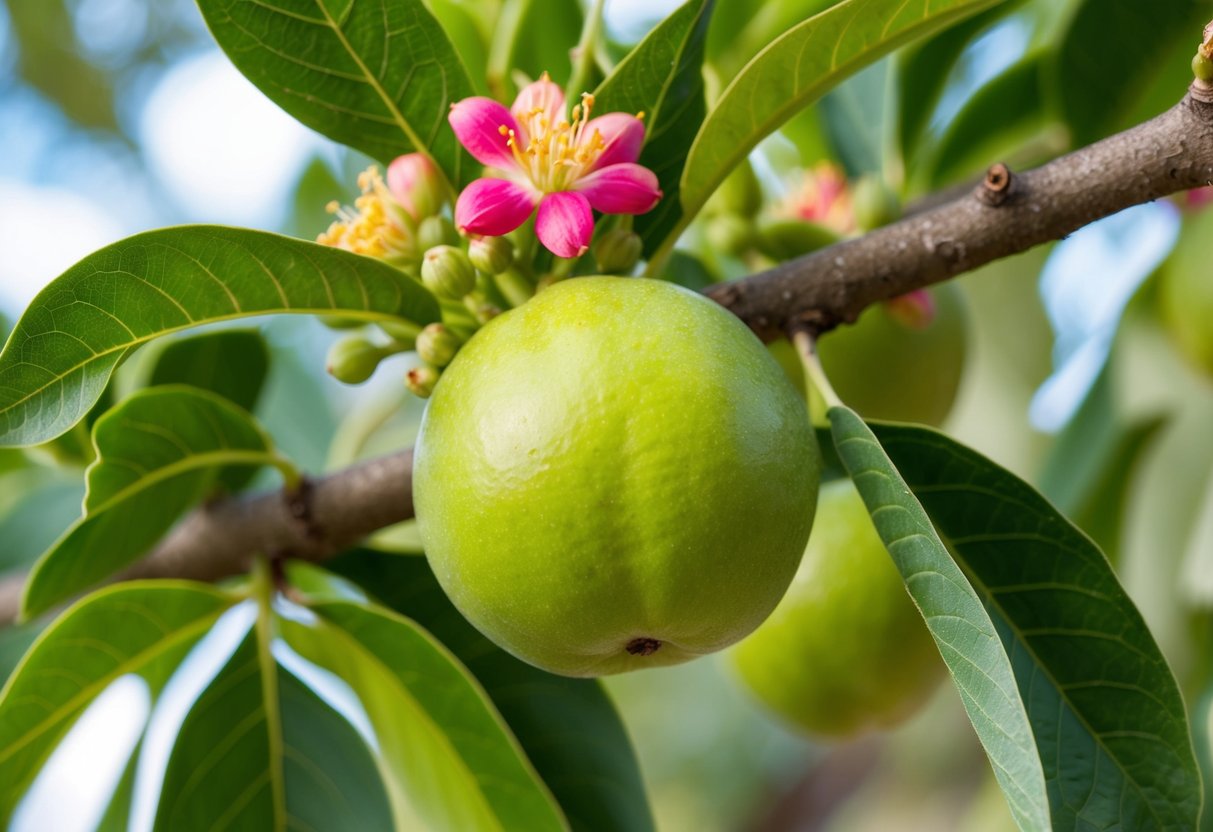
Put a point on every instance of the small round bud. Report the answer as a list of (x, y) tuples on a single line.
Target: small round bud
[(783, 239), (339, 322), (447, 272), (874, 203), (416, 184), (491, 255), (739, 194), (731, 234), (437, 345), (353, 359), (1202, 66), (436, 231), (421, 380), (618, 251)]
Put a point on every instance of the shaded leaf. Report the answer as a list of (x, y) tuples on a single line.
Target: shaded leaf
[(377, 75), (39, 514), (960, 625), (231, 363), (158, 453), (796, 69), (569, 728), (446, 757), (144, 628), (66, 345), (663, 78), (1107, 715)]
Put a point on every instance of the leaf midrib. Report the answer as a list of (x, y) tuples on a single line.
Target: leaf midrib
[(181, 466)]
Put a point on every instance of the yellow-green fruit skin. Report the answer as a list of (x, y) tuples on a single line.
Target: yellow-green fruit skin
[(617, 460), (846, 651), (884, 369), (1185, 292)]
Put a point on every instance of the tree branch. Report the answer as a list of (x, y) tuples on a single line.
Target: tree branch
[(1007, 214)]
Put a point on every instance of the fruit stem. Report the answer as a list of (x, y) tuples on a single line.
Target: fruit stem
[(806, 346)]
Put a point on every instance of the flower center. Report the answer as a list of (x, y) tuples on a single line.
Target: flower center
[(375, 226), (556, 154)]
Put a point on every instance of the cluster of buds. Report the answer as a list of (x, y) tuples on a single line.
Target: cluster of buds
[(543, 163)]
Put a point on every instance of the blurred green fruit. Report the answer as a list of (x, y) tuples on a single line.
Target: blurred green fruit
[(1185, 292), (615, 475), (901, 360), (845, 651)]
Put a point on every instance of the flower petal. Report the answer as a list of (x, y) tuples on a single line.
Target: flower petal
[(477, 122), (621, 189), (413, 181), (538, 98), (565, 224), (623, 135), (493, 207)]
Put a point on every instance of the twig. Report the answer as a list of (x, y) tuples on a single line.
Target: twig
[(1007, 214)]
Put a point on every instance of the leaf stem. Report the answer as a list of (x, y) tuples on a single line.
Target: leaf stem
[(806, 346)]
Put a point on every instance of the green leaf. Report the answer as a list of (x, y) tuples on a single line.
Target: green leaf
[(158, 453), (855, 116), (1110, 52), (663, 78), (41, 511), (569, 728), (377, 75), (1107, 715), (63, 350), (260, 750), (796, 69), (144, 628), (447, 758), (922, 75), (469, 26), (231, 363), (961, 626), (532, 37)]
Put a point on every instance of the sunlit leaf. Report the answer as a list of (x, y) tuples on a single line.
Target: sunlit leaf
[(798, 68), (61, 353), (159, 453), (662, 77), (144, 628), (377, 75)]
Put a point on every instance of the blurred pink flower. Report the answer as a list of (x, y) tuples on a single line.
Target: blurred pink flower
[(824, 198), (558, 169)]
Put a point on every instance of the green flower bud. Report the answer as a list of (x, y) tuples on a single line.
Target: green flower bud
[(403, 331), (436, 231), (874, 203), (437, 345), (1202, 66), (783, 239), (739, 194), (447, 272), (491, 255), (731, 234), (618, 251), (339, 322), (353, 359), (421, 380)]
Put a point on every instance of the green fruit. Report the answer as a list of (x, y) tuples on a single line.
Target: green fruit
[(1185, 293), (884, 367), (615, 475), (846, 650)]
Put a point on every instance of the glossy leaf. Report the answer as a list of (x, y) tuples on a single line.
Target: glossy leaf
[(1106, 712), (61, 354), (799, 67), (855, 117), (377, 75), (144, 628), (663, 78), (569, 728), (232, 363), (962, 628), (260, 750), (446, 757), (532, 37), (159, 453)]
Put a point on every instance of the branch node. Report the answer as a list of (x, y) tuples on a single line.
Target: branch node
[(996, 187), (299, 505)]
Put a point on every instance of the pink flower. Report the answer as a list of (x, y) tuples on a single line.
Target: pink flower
[(824, 198), (559, 170)]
